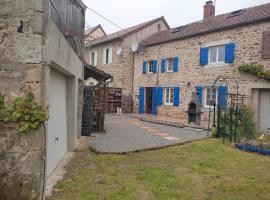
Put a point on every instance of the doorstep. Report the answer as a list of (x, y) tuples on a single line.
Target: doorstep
[(168, 121)]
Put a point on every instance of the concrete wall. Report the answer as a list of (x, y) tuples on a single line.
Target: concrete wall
[(121, 67), (21, 68), (248, 42)]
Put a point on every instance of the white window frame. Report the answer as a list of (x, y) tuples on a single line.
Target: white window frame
[(95, 58), (171, 92), (148, 67), (210, 51), (109, 56), (205, 96), (167, 64)]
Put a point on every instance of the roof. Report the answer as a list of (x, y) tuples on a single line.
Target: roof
[(212, 24), (126, 32), (91, 30), (93, 72)]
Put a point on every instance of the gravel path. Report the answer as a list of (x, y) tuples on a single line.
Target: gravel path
[(125, 134)]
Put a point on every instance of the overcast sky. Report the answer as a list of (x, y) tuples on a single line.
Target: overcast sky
[(127, 13)]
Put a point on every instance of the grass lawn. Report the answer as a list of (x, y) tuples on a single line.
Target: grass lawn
[(200, 170)]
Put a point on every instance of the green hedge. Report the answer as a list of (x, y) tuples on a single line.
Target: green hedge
[(255, 69)]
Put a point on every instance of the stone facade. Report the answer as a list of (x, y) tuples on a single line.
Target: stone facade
[(122, 64), (248, 41), (27, 53)]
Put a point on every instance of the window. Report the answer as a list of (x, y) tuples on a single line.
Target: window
[(159, 27), (236, 13), (210, 95), (170, 62), (217, 54), (150, 66), (107, 58), (266, 45), (93, 58), (169, 96)]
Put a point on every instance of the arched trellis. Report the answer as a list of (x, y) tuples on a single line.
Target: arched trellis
[(217, 109)]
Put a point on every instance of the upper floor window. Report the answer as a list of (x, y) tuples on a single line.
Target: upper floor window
[(217, 54), (150, 66), (159, 27), (170, 64), (93, 58), (210, 96), (169, 96), (107, 56)]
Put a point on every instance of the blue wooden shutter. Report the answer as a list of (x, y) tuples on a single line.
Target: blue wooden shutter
[(199, 90), (176, 94), (163, 65), (159, 96), (154, 101), (175, 64), (154, 66), (141, 100), (229, 53), (204, 56), (144, 67), (222, 96)]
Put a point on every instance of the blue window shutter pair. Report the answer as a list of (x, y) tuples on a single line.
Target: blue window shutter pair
[(203, 56), (144, 67), (176, 96), (159, 96), (199, 90), (141, 100), (163, 65), (222, 96), (229, 53), (175, 64), (154, 101), (154, 66)]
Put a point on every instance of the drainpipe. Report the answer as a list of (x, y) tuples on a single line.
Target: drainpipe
[(132, 80)]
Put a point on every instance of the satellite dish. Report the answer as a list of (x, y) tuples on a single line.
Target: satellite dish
[(134, 46)]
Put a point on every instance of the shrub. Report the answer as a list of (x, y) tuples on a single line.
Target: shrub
[(255, 69)]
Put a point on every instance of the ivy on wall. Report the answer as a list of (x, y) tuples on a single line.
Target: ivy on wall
[(255, 69), (24, 112)]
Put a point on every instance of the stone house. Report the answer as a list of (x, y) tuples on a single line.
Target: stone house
[(94, 33), (180, 61), (114, 54), (40, 52)]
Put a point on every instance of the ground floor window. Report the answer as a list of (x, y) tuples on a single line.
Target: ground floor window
[(210, 95), (169, 96)]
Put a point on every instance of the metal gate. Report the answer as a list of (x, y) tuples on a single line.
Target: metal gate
[(224, 113)]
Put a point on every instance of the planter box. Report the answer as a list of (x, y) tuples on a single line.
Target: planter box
[(253, 149)]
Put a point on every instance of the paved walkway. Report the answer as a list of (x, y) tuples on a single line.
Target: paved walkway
[(125, 134)]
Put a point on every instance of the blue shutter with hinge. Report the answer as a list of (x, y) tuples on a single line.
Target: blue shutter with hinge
[(154, 66), (199, 90), (154, 101), (222, 96), (229, 53), (163, 65), (144, 67), (204, 56), (176, 95), (141, 100), (159, 96), (175, 64)]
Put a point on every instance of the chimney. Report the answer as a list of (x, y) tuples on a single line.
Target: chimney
[(209, 9)]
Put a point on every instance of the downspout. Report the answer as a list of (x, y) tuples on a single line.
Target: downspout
[(132, 81)]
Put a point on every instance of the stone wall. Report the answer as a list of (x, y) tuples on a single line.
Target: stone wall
[(21, 157), (121, 67), (248, 42)]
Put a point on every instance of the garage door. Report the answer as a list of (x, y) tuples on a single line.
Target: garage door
[(264, 115), (57, 125)]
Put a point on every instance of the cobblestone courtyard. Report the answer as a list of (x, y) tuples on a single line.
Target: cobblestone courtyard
[(124, 134)]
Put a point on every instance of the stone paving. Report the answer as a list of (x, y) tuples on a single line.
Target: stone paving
[(125, 134)]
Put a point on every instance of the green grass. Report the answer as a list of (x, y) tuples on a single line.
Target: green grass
[(199, 170)]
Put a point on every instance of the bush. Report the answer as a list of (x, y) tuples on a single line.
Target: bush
[(255, 69), (247, 125)]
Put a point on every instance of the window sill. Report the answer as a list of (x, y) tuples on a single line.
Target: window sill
[(216, 65), (168, 104)]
